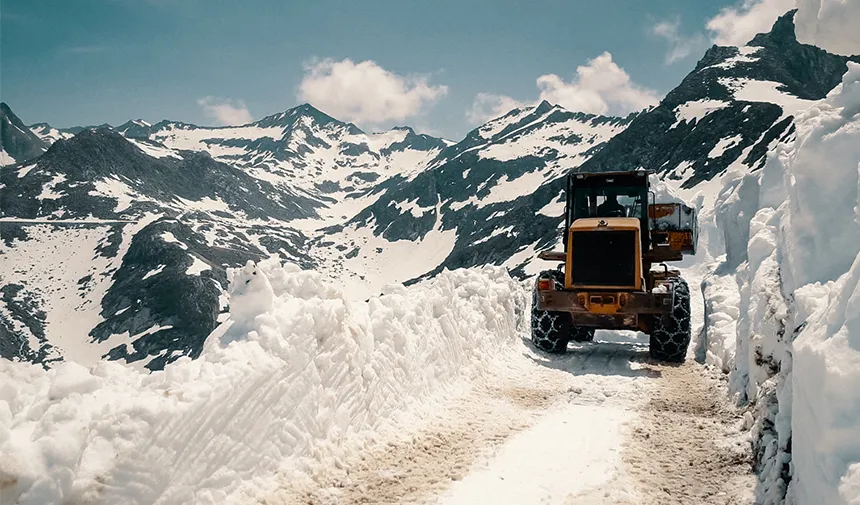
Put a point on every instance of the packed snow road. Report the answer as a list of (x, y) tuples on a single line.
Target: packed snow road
[(601, 424)]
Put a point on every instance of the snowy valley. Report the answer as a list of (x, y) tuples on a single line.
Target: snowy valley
[(297, 311)]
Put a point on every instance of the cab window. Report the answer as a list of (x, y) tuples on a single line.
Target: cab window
[(617, 201)]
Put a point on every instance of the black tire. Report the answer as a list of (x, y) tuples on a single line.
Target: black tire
[(583, 334), (670, 336), (551, 331)]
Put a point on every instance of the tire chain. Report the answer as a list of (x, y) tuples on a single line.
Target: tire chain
[(551, 331), (671, 334)]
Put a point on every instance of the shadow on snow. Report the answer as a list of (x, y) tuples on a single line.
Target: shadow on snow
[(611, 355)]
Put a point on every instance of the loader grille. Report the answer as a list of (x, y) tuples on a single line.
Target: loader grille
[(604, 258)]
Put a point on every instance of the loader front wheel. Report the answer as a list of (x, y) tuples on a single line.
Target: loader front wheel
[(670, 335), (551, 331)]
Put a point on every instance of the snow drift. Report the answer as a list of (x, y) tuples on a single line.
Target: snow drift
[(783, 306), (297, 376)]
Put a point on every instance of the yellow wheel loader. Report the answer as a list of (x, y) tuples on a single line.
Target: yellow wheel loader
[(614, 235)]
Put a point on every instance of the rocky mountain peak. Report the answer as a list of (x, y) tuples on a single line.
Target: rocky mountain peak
[(92, 152), (136, 128), (17, 142), (543, 107), (782, 32), (301, 113)]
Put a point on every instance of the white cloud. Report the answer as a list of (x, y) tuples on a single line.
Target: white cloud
[(488, 106), (225, 111), (600, 87), (830, 24), (365, 92), (680, 46), (735, 26)]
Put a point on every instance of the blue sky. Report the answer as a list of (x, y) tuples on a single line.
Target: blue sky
[(441, 66)]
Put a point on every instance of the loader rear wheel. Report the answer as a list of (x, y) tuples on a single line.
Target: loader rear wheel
[(583, 334), (670, 335), (551, 331)]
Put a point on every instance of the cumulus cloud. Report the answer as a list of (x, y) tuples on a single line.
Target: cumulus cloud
[(680, 46), (735, 26), (600, 87), (365, 92), (830, 24), (488, 106), (224, 110)]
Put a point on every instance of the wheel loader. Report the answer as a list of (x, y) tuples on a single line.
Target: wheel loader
[(612, 273)]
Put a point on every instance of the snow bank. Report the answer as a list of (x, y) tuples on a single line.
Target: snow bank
[(296, 377), (783, 304)]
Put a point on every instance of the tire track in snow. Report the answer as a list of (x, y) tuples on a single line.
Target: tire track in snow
[(687, 448)]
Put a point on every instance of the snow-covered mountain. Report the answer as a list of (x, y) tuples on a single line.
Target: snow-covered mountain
[(305, 150), (731, 108), (113, 241), (50, 134), (494, 198), (471, 206), (118, 242)]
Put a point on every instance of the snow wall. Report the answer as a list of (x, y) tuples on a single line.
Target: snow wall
[(298, 375), (782, 305)]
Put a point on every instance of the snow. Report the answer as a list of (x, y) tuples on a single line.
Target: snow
[(783, 304), (171, 239), (750, 90), (50, 134), (153, 150), (59, 264), (315, 157), (505, 230), (297, 377), (507, 480), (695, 110), (379, 262), (495, 126), (550, 136), (155, 271), (724, 144), (412, 207), (505, 189), (682, 171), (114, 188), (205, 204), (197, 267), (192, 138), (746, 54), (6, 158), (23, 171), (48, 192), (380, 140), (555, 208)]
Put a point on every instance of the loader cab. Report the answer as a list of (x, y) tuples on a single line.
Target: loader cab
[(608, 194)]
